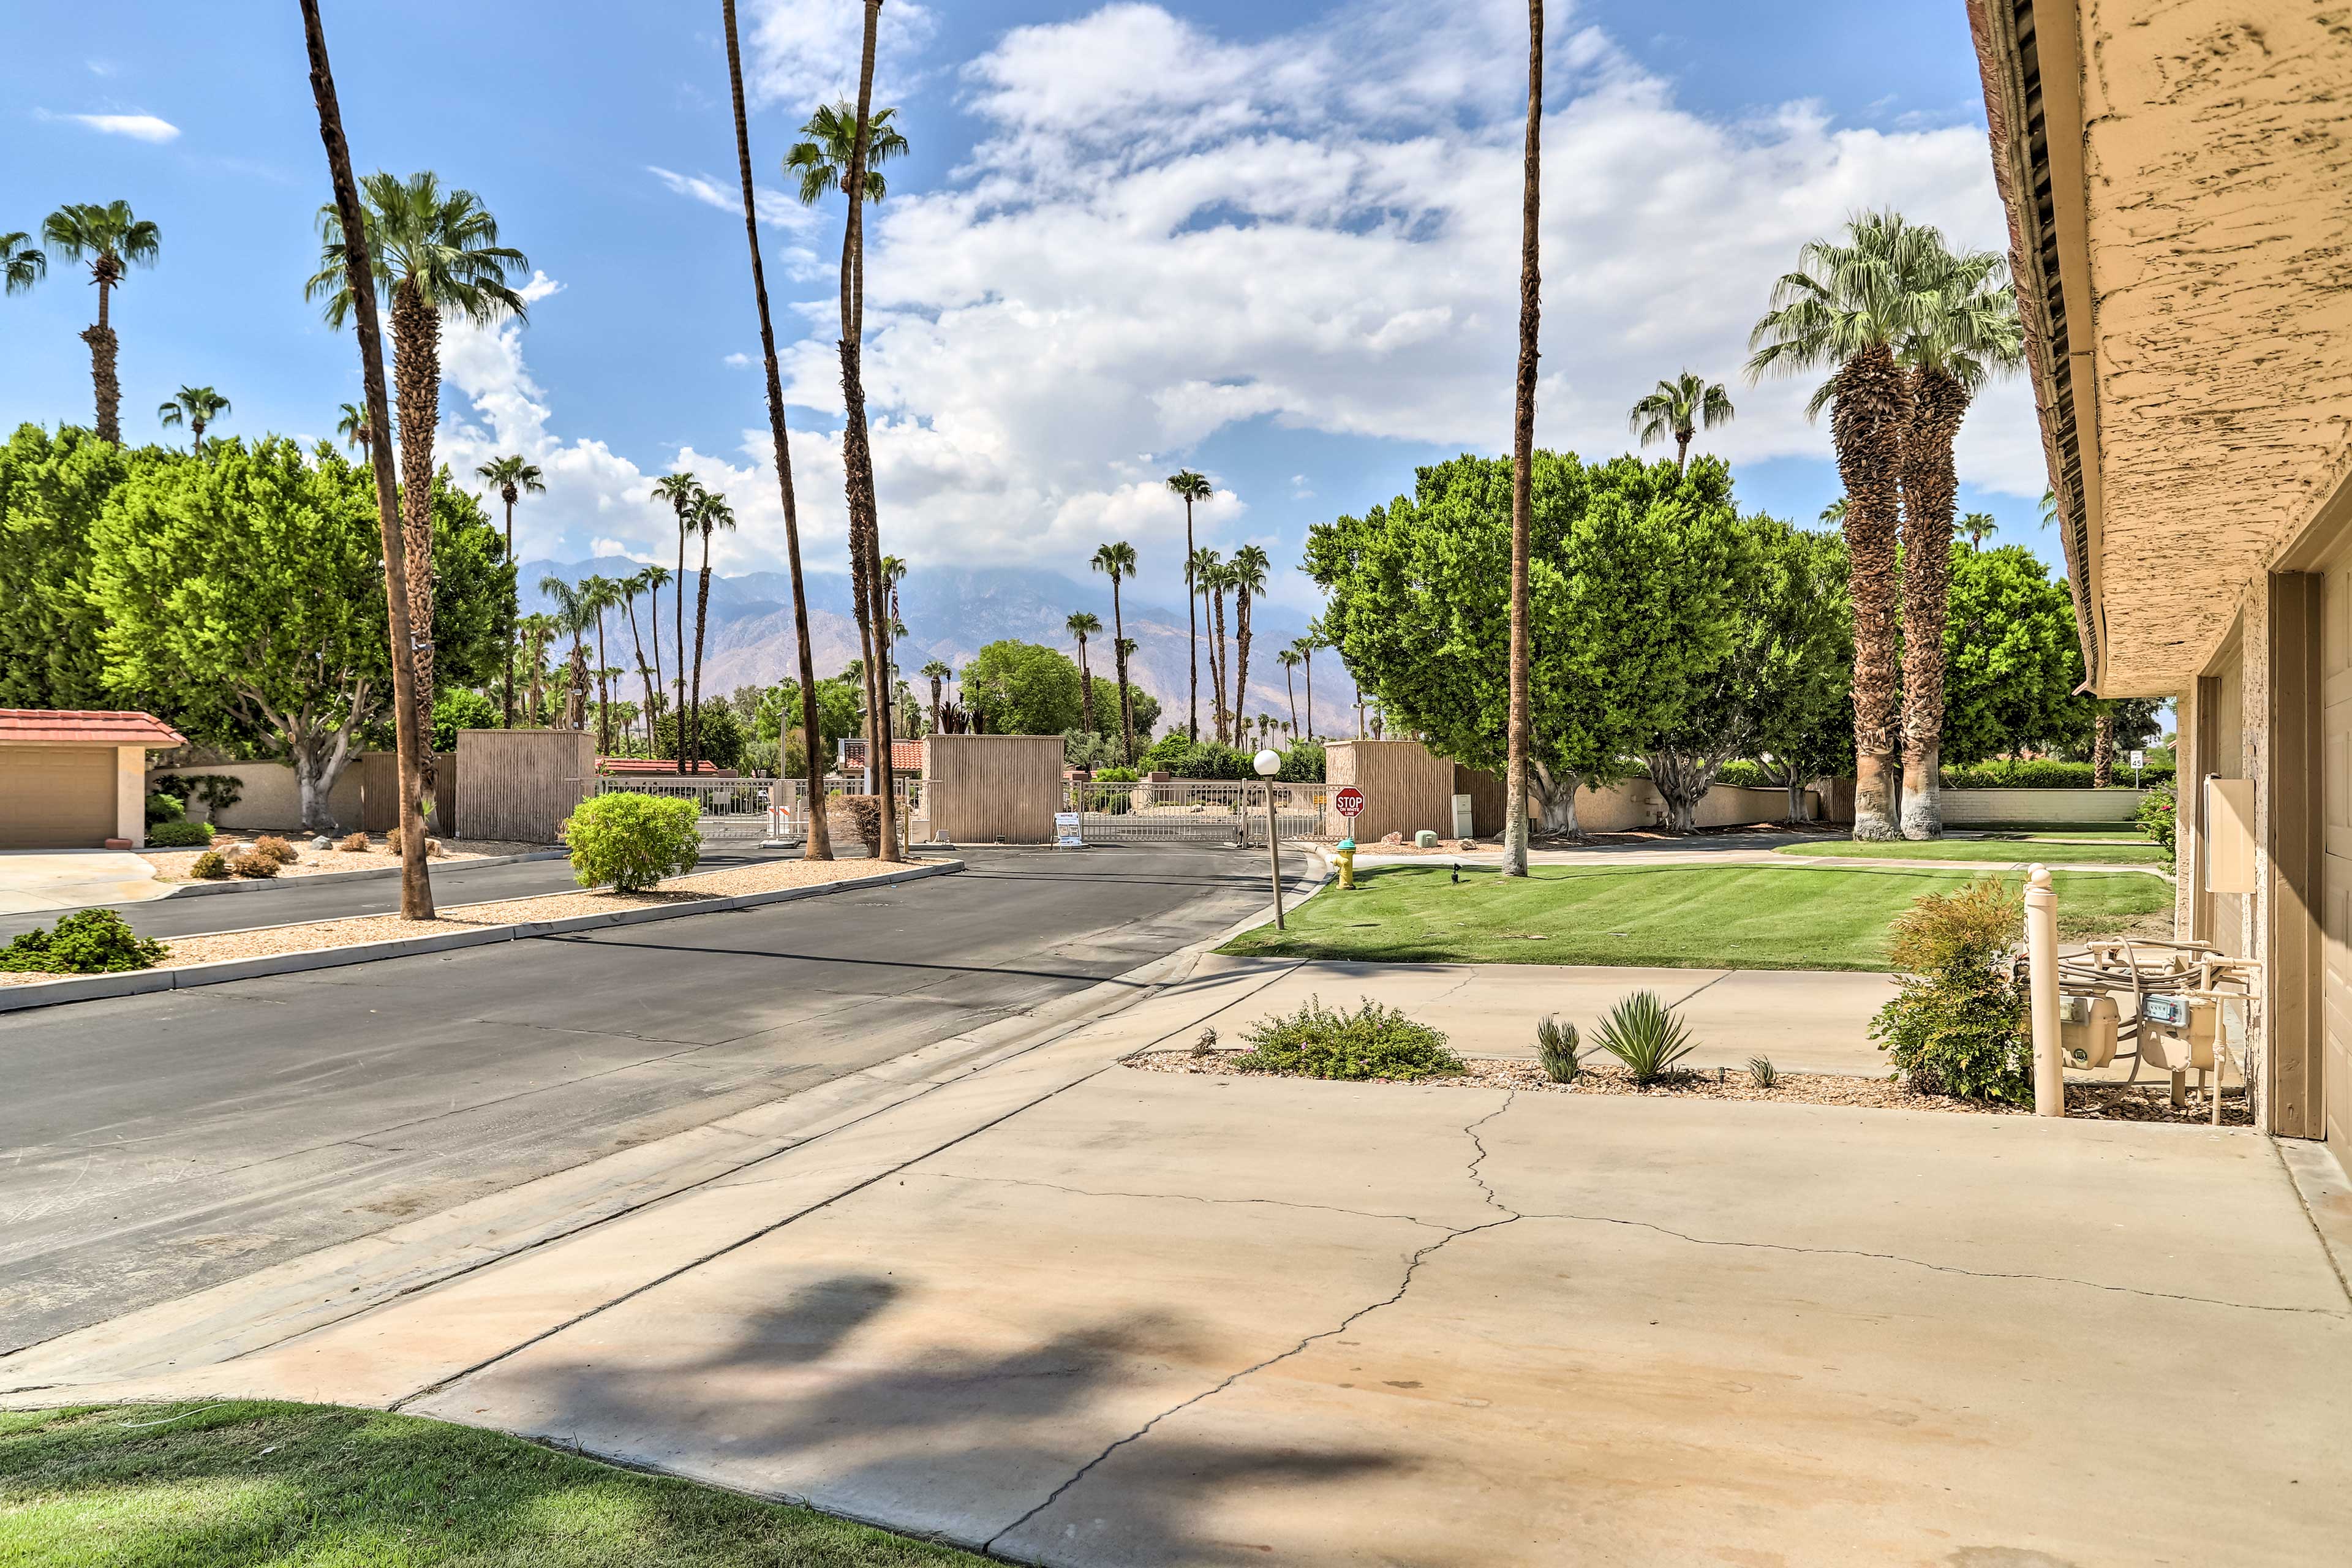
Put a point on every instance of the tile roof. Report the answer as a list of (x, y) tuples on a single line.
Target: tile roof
[(905, 756), (77, 727)]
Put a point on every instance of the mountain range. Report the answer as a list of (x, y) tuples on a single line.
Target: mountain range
[(951, 613)]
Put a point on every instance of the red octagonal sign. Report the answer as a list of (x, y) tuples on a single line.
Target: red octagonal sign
[(1349, 801)]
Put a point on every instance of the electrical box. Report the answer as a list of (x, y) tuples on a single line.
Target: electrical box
[(1461, 816), (2229, 835)]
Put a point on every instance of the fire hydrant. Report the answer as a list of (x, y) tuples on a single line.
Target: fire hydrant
[(1346, 856)]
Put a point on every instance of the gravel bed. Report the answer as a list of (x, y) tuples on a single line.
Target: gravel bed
[(172, 865), (2088, 1101)]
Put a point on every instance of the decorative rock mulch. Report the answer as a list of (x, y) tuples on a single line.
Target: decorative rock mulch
[(2087, 1102)]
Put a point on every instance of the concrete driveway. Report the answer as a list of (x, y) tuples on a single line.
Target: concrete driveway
[(33, 881), (1084, 1315)]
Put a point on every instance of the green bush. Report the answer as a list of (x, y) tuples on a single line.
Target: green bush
[(1741, 774), (163, 807), (1178, 758), (179, 835), (88, 942), (211, 866), (1116, 776), (1559, 1049), (2043, 773), (1643, 1032), (2158, 814), (630, 840), (1957, 1025), (1372, 1042)]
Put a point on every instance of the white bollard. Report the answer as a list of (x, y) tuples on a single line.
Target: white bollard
[(2041, 981)]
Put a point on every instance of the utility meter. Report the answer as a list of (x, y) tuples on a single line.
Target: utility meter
[(2086, 1030)]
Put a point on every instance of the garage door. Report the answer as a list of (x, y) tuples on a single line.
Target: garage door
[(55, 798)]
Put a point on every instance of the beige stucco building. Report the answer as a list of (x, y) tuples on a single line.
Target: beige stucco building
[(73, 780), (2178, 181)]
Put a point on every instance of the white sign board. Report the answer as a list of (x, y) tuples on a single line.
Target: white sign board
[(2138, 761), (1070, 830)]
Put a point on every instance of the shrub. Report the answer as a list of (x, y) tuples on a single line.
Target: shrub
[(1761, 1072), (355, 843), (2158, 814), (277, 849), (1559, 1049), (88, 942), (211, 866), (1302, 763), (2041, 773), (1116, 776), (253, 863), (1643, 1032), (218, 791), (864, 814), (1372, 1042), (163, 807), (1741, 774), (179, 835), (631, 841), (432, 844), (1957, 1025)]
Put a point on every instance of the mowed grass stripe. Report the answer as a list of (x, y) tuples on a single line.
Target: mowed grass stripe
[(1992, 852)]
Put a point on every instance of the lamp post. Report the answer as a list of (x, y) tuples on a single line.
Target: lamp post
[(1268, 763)]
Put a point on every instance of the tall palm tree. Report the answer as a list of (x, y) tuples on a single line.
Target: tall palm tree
[(820, 841), (1216, 580), (1519, 734), (21, 265), (821, 159), (1200, 571), (411, 743), (1978, 526), (712, 515), (1191, 487), (194, 406), (681, 490), (355, 430), (435, 255), (893, 572), (1677, 409), (1835, 512), (1117, 560), (657, 579), (572, 615), (1082, 624), (938, 673), (598, 594), (1966, 332), (1306, 646), (513, 479), (1845, 309), (1290, 658), (1247, 577), (114, 241), (537, 631), (631, 586)]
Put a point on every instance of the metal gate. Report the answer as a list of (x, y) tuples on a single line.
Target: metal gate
[(757, 810), (1192, 811)]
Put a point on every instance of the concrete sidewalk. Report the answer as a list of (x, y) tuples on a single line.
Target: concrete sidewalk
[(1083, 1315), (49, 882)]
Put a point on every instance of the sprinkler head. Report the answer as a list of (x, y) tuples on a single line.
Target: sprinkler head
[(1457, 873)]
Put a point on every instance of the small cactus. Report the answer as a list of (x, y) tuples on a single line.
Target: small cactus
[(1761, 1072), (1559, 1047)]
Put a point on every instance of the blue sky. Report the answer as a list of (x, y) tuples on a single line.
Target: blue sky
[(1273, 243)]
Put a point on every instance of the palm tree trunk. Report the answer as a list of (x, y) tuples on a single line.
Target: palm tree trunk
[(2103, 748), (1193, 630), (680, 631), (654, 697), (645, 675), (604, 690), (1682, 451), (1086, 688), (694, 709), (1119, 657), (1224, 662), (102, 347), (1240, 658), (1931, 487), (1291, 681), (417, 371), (416, 885), (1523, 442), (1310, 692), (512, 633), (1867, 428)]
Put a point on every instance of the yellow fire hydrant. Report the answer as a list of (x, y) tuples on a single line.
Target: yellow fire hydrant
[(1346, 856)]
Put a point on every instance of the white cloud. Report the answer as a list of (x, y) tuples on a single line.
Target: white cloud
[(806, 52), (776, 208), (138, 127), (737, 360)]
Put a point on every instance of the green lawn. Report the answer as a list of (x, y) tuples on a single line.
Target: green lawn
[(1993, 852), (252, 1483), (1748, 917)]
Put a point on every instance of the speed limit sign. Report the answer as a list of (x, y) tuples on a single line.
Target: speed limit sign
[(1350, 803)]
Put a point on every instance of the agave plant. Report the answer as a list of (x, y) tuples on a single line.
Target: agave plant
[(1761, 1072), (1643, 1034), (1559, 1049)]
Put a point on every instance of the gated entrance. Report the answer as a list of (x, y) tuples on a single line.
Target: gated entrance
[(1192, 811)]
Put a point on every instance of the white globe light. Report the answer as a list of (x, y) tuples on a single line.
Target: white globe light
[(1269, 764)]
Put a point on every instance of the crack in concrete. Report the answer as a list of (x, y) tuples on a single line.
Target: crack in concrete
[(1411, 1268), (1933, 1267)]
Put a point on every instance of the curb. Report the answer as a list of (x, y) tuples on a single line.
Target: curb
[(252, 885), (94, 987)]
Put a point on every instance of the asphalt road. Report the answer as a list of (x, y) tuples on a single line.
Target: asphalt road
[(151, 1146)]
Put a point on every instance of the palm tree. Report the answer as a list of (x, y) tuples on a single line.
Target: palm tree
[(195, 407), (1191, 487), (2049, 507), (1216, 580), (537, 631), (1978, 526), (410, 742), (1246, 576), (1966, 332), (631, 586), (513, 479), (657, 579), (1200, 571), (435, 256), (1290, 658), (20, 265), (893, 573), (353, 428), (1845, 309), (598, 594), (114, 241), (1082, 624), (572, 617), (822, 159), (938, 673), (1677, 409), (1306, 646), (1835, 512), (711, 514), (681, 490), (1520, 735), (1118, 561), (820, 841)]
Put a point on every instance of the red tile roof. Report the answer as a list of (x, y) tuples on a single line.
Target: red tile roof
[(78, 727), (905, 756), (665, 766)]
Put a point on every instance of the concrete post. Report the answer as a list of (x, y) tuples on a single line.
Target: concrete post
[(1274, 850), (2042, 971)]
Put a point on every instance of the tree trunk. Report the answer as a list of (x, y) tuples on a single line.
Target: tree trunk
[(516, 615), (678, 631), (1929, 491), (416, 370), (701, 616), (2103, 748), (1291, 683), (416, 884), (645, 675), (1523, 441), (1240, 658), (653, 694), (1217, 664), (1193, 630), (1796, 800), (603, 691), (1119, 658), (1682, 451), (1867, 428), (1085, 691), (102, 348), (1310, 695)]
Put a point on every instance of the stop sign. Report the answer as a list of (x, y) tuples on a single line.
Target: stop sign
[(1349, 801)]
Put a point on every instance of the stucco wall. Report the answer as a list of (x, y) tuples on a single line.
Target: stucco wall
[(2028, 807), (521, 784), (1407, 788), (268, 800), (982, 789)]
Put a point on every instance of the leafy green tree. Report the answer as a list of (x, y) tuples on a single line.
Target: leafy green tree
[(1631, 609), (1146, 709), (2011, 661), (114, 242), (195, 407), (837, 708), (52, 489), (1677, 408), (1806, 728), (715, 727), (460, 708), (1023, 688)]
